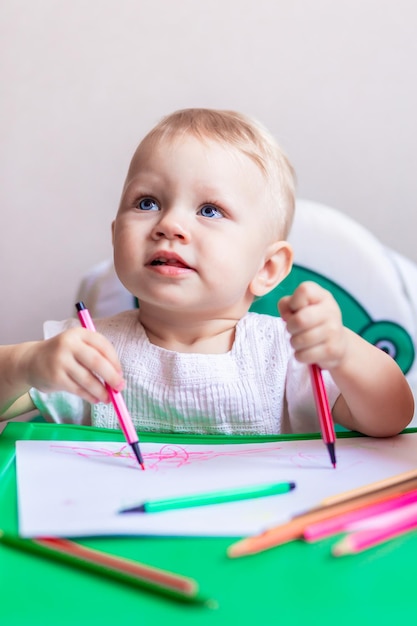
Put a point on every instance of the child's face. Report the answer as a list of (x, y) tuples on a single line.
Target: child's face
[(192, 231)]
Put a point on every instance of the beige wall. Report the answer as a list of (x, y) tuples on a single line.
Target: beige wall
[(83, 81)]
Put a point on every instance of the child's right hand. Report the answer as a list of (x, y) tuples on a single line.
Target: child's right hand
[(74, 361)]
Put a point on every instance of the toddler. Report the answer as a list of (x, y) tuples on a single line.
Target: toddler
[(200, 232)]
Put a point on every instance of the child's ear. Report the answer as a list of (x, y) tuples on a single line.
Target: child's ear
[(277, 265)]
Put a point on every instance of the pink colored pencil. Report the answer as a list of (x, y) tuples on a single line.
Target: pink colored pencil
[(116, 397), (404, 521), (328, 527), (323, 411)]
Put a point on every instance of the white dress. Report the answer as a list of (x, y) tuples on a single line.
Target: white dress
[(255, 388)]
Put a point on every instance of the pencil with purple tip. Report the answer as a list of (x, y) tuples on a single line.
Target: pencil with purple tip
[(323, 411), (116, 397)]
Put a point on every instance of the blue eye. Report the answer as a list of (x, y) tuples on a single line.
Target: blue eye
[(147, 204), (208, 210)]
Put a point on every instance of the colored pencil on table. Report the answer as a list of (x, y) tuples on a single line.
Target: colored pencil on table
[(323, 411), (211, 497), (371, 487), (404, 521), (294, 528), (117, 568), (325, 528)]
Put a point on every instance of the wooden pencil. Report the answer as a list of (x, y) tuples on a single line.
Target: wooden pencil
[(370, 488), (121, 569), (294, 528)]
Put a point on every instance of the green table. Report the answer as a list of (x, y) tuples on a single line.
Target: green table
[(295, 584)]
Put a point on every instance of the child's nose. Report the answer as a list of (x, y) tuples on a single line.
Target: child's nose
[(171, 226)]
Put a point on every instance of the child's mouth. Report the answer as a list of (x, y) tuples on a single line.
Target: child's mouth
[(172, 262)]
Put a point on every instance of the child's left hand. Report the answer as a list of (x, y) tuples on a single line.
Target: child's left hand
[(375, 397), (314, 321)]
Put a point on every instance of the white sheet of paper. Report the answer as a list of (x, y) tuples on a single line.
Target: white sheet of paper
[(69, 489)]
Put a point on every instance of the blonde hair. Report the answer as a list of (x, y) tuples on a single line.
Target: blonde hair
[(249, 137)]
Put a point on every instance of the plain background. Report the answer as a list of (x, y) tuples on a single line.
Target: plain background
[(83, 81)]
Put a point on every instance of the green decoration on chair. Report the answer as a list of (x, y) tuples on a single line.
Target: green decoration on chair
[(384, 334)]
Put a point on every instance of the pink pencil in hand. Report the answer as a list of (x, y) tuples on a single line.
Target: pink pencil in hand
[(323, 411), (120, 407)]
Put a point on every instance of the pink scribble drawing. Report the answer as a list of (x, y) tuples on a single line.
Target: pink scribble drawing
[(102, 453), (172, 456), (167, 456)]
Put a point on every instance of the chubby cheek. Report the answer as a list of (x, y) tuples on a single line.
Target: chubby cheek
[(126, 239), (126, 252)]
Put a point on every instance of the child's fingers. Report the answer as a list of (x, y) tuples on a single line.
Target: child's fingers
[(102, 360), (306, 294), (314, 321), (309, 306), (84, 384), (315, 336), (284, 307), (78, 361)]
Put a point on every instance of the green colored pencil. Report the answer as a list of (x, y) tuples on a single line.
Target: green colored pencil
[(213, 497), (120, 569)]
